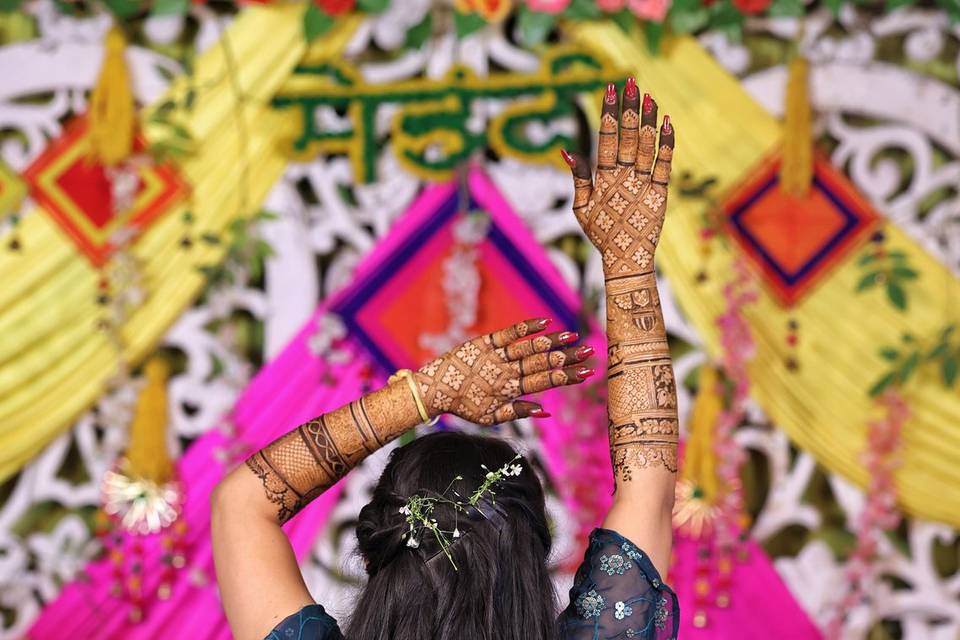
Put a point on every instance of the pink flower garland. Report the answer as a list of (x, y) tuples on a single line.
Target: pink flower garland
[(738, 349), (880, 514)]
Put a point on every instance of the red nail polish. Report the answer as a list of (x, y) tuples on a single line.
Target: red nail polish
[(584, 372), (539, 413), (666, 125), (584, 351), (611, 93), (631, 89), (569, 159), (647, 103), (567, 337)]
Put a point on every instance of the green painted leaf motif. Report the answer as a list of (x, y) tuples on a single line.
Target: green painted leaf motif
[(885, 381), (625, 20), (689, 21), (867, 258), (904, 273), (169, 7), (420, 32), (582, 10), (906, 370), (949, 370), (210, 238), (373, 6), (868, 281), (889, 354), (897, 255), (896, 295), (938, 351), (533, 27), (466, 23), (316, 22), (654, 33)]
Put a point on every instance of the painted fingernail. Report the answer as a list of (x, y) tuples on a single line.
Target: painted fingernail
[(585, 372), (611, 93), (567, 337), (647, 103), (584, 351), (542, 323), (539, 413), (666, 125), (569, 159), (631, 89)]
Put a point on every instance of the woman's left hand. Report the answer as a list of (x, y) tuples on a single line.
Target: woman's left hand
[(480, 380)]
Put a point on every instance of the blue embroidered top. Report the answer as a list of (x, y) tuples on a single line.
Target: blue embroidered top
[(617, 593)]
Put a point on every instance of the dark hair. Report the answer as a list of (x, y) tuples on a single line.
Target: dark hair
[(501, 590)]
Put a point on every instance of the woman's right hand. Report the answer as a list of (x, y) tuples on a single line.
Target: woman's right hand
[(481, 379)]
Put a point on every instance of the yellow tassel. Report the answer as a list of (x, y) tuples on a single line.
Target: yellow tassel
[(699, 463), (112, 108), (796, 171), (147, 456)]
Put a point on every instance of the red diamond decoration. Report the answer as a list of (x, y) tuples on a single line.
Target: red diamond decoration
[(76, 192), (796, 241)]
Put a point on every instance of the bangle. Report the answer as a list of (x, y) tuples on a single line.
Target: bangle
[(422, 410)]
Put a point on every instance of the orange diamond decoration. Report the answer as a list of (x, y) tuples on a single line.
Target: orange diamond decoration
[(76, 192)]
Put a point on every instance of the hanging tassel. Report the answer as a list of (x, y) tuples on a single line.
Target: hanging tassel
[(147, 457), (112, 108), (796, 170)]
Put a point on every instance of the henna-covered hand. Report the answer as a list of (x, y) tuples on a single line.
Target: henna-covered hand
[(481, 379), (622, 212), (622, 209)]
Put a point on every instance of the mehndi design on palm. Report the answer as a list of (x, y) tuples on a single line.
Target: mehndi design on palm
[(481, 379), (622, 211)]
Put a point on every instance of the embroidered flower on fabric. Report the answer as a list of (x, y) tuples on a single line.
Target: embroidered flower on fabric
[(589, 604), (632, 552), (621, 610), (614, 564), (660, 616)]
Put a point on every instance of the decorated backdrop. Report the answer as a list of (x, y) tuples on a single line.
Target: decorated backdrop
[(218, 220)]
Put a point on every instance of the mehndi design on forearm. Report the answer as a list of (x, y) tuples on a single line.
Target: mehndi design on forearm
[(478, 381), (622, 212)]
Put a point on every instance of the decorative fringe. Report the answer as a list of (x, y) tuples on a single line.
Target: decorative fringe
[(112, 108), (147, 456), (796, 171)]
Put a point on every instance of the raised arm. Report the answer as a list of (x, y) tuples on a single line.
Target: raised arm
[(259, 580), (622, 210)]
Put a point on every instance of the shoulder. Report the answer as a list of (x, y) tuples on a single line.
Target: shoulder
[(617, 590), (309, 623)]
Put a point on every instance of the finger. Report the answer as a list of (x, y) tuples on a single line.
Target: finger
[(648, 135), (554, 359), (503, 337), (661, 170), (537, 382), (540, 344), (607, 147), (518, 409), (629, 124), (582, 184)]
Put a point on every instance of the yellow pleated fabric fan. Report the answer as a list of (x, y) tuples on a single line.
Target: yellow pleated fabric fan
[(796, 170), (698, 487), (147, 456), (112, 108)]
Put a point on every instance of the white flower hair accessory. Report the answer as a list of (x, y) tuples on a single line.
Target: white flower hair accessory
[(418, 509)]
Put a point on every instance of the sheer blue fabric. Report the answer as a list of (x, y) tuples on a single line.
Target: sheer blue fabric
[(617, 593)]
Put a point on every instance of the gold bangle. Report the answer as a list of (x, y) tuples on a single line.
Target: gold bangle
[(406, 373)]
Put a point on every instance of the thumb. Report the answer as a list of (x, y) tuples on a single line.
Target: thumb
[(582, 184)]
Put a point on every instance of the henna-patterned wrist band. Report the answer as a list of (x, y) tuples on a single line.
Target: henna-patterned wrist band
[(408, 375)]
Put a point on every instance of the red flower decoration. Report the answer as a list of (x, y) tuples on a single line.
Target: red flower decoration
[(335, 7), (751, 7)]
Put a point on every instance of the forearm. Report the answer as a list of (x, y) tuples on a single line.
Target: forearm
[(300, 465)]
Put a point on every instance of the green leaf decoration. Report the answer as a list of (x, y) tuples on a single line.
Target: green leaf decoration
[(420, 32), (373, 6), (689, 21), (625, 20), (897, 255), (908, 366), (654, 33), (210, 238), (533, 27), (896, 295), (169, 7), (904, 273), (868, 281), (785, 8), (124, 8), (316, 22), (889, 354), (885, 381), (938, 351), (867, 258), (949, 370), (726, 18), (466, 23), (582, 10)]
